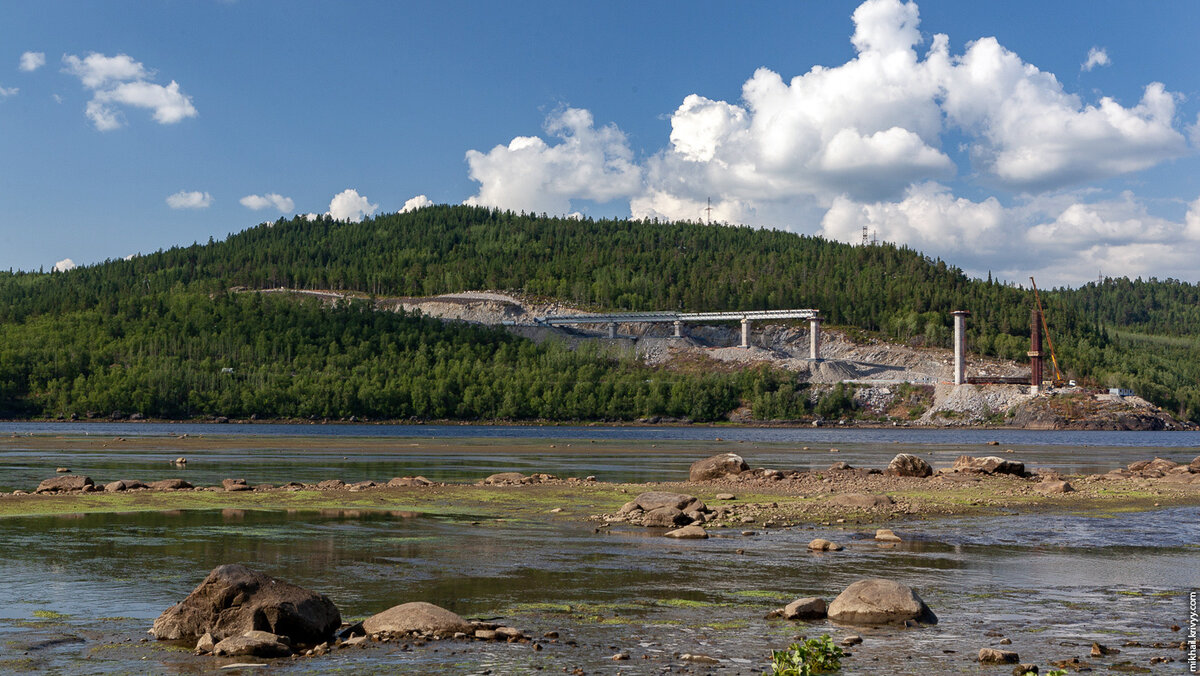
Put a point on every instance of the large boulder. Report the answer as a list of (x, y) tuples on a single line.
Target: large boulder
[(417, 617), (717, 466), (61, 484), (879, 601), (234, 599), (906, 464), (506, 478), (988, 465)]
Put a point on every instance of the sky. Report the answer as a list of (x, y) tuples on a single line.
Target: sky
[(1059, 140)]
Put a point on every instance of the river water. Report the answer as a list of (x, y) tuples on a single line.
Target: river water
[(79, 592)]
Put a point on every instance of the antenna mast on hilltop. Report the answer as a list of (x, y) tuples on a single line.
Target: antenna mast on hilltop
[(865, 235), (708, 210)]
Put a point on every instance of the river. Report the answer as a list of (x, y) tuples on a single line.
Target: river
[(80, 591)]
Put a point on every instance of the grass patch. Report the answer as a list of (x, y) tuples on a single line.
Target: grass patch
[(50, 615)]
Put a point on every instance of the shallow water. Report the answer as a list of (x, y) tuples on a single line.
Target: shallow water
[(80, 591), (1078, 579)]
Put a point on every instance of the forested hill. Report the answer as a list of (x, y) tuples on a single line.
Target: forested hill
[(611, 264)]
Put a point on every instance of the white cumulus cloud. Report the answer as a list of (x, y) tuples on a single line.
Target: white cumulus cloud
[(1097, 56), (418, 202), (189, 199), (118, 81), (271, 199), (31, 61), (348, 205), (6, 92), (529, 174), (64, 265)]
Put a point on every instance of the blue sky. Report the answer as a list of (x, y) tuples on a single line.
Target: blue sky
[(1002, 147)]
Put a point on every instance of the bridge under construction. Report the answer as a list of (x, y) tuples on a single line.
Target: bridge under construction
[(678, 319)]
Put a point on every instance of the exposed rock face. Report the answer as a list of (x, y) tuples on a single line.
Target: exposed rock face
[(717, 466), (234, 599), (256, 643), (989, 465), (61, 484), (1194, 465), (810, 608), (879, 601), (417, 616), (906, 464), (861, 500)]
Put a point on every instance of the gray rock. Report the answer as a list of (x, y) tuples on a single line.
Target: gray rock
[(664, 517), (205, 644), (505, 478), (810, 608), (879, 601), (717, 466), (725, 496), (1053, 486), (840, 467), (114, 486), (256, 643), (168, 485), (823, 545), (861, 500), (410, 481), (234, 599), (681, 501), (331, 485), (62, 484), (994, 656), (988, 465), (234, 485), (689, 533), (417, 616), (906, 464), (886, 535)]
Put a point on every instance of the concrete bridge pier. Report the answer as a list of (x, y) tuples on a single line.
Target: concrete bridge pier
[(814, 339), (960, 346), (678, 329), (612, 330), (745, 333)]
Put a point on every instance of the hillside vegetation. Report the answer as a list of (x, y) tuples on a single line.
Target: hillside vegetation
[(153, 334)]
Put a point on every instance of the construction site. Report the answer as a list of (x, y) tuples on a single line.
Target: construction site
[(893, 384)]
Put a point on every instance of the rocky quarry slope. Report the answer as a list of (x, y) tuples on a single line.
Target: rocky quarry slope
[(893, 383)]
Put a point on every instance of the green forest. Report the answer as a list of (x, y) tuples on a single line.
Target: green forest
[(164, 335)]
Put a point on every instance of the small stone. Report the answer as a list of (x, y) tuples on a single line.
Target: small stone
[(994, 656), (485, 634), (62, 470), (699, 659), (619, 657), (206, 643), (823, 545), (1022, 669), (810, 608), (1100, 650), (886, 535), (1005, 641), (688, 533), (725, 496), (853, 639)]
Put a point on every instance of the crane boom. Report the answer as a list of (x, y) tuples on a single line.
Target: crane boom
[(1058, 378)]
